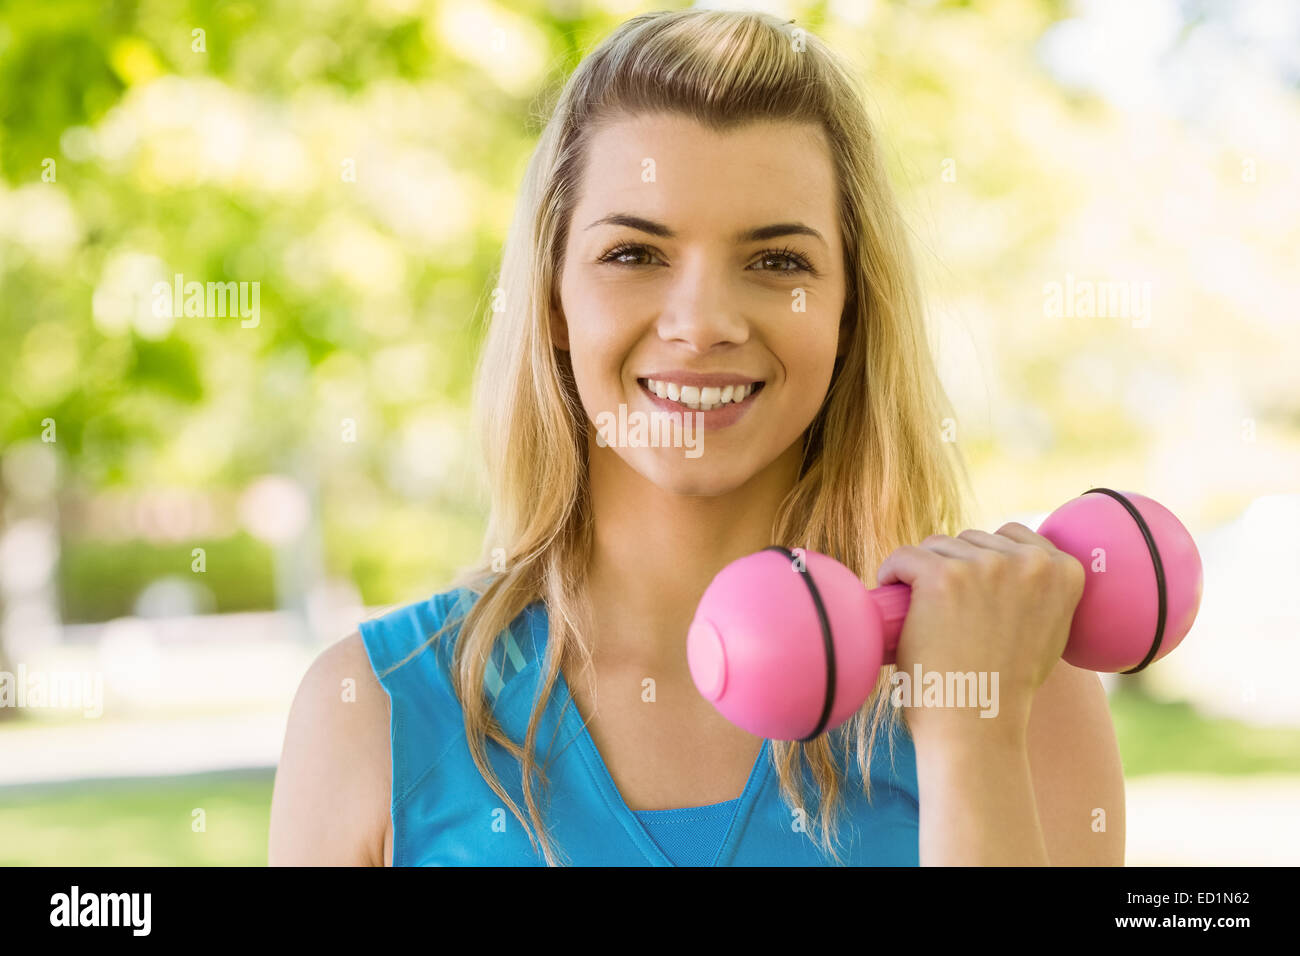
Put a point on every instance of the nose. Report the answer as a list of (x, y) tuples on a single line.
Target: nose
[(701, 309)]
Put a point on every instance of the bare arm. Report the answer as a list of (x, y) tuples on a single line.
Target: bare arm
[(330, 806), (1078, 776), (977, 800), (999, 794)]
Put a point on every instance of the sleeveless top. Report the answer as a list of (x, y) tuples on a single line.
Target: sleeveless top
[(445, 814)]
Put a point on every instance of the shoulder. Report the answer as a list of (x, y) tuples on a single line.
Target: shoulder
[(391, 639), (333, 796), (330, 804), (1077, 774), (412, 649)]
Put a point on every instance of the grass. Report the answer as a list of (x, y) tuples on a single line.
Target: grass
[(144, 822), (139, 822), (1159, 737)]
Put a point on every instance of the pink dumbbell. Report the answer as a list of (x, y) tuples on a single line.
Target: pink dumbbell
[(787, 646)]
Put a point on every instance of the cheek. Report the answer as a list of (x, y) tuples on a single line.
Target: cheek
[(806, 348), (600, 339), (599, 345)]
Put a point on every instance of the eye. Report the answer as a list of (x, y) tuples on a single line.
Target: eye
[(797, 262), (626, 249)]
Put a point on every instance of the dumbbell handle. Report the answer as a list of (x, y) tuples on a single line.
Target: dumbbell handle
[(891, 602)]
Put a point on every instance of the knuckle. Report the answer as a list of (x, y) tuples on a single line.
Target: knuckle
[(1035, 560), (935, 539), (1072, 571), (951, 576), (942, 586), (1034, 553)]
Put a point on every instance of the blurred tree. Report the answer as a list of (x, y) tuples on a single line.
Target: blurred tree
[(359, 164)]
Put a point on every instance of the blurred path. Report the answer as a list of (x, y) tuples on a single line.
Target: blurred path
[(1185, 819), (145, 748)]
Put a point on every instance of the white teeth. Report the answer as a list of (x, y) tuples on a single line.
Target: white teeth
[(703, 398)]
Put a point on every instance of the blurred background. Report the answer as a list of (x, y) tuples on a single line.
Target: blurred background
[(202, 490)]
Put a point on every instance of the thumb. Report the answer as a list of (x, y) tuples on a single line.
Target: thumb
[(905, 565)]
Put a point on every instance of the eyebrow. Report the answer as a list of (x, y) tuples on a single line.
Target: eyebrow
[(748, 235)]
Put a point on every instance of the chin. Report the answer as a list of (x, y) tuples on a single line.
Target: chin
[(696, 477)]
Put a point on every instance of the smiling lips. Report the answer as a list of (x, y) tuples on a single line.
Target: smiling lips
[(704, 398)]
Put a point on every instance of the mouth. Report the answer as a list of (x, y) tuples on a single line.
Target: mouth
[(705, 398)]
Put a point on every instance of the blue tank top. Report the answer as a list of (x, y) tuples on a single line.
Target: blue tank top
[(445, 814)]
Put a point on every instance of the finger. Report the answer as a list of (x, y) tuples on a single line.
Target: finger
[(1018, 532), (992, 542), (951, 547), (906, 564)]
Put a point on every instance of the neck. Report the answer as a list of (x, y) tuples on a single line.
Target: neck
[(654, 552)]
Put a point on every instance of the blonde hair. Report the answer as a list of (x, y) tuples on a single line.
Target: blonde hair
[(875, 474)]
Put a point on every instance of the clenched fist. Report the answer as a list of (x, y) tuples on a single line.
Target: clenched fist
[(995, 603)]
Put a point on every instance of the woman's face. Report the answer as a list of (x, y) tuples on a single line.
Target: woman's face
[(698, 260)]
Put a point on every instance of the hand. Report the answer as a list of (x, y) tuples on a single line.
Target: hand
[(984, 603)]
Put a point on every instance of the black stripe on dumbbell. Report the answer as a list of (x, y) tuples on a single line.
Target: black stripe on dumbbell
[(826, 640), (1155, 563)]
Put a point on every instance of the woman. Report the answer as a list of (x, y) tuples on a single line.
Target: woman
[(705, 227)]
